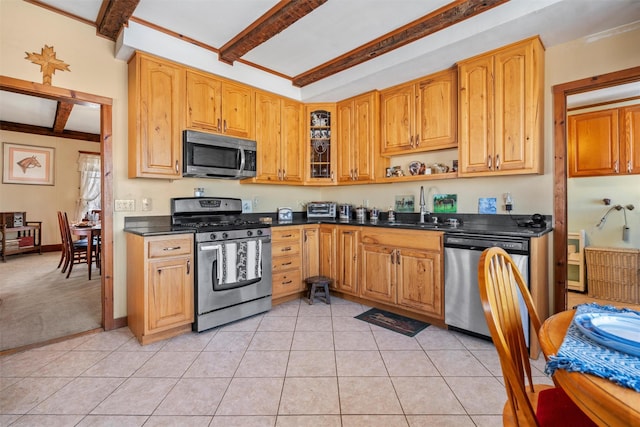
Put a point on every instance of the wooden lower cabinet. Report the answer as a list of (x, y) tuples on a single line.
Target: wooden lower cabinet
[(310, 251), (378, 273), (419, 276), (404, 268), (286, 255), (347, 258), (159, 286), (327, 251)]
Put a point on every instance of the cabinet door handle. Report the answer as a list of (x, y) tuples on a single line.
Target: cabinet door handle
[(286, 263), (489, 163), (287, 249), (284, 174), (411, 141), (287, 235), (225, 125), (616, 166), (171, 248), (177, 167), (393, 257), (188, 266), (398, 257), (417, 140), (628, 166), (497, 161), (331, 175), (355, 174), (219, 128), (287, 282)]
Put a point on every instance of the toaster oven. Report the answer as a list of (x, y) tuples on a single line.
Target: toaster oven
[(326, 210)]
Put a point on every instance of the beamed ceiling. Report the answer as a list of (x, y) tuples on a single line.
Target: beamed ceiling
[(325, 46)]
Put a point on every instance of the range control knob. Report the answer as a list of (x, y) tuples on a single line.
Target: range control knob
[(212, 236), (259, 232), (225, 235), (249, 233)]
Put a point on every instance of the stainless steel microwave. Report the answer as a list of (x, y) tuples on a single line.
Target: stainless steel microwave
[(207, 155)]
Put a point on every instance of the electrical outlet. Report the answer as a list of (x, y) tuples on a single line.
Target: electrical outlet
[(125, 205), (247, 207), (146, 204)]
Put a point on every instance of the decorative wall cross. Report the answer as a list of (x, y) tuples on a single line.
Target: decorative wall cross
[(48, 63)]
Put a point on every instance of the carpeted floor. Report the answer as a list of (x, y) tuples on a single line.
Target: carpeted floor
[(37, 303)]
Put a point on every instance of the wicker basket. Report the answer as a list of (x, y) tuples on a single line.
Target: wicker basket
[(613, 274)]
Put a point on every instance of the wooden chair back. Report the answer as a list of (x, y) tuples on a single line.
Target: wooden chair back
[(498, 278)]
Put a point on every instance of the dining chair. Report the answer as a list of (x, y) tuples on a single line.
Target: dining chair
[(63, 251), (527, 404), (77, 250)]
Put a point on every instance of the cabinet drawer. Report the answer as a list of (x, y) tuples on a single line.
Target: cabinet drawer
[(286, 282), (285, 248), (282, 263), (167, 247), (279, 234), (427, 240)]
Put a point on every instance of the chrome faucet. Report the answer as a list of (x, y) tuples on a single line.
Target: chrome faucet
[(423, 206)]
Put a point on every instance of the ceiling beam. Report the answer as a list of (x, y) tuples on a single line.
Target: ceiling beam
[(114, 14), (440, 19), (277, 19), (41, 130), (63, 111)]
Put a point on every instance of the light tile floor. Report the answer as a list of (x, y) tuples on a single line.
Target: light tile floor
[(297, 365)]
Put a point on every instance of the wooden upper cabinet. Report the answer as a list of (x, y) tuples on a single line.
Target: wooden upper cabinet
[(420, 115), (594, 143), (217, 105), (630, 117), (237, 110), (604, 142), (500, 111), (358, 139), (156, 93), (268, 136), (204, 95), (437, 111), (292, 134), (397, 109), (321, 149), (278, 132)]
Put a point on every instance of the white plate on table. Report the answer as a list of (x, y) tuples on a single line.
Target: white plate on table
[(618, 331)]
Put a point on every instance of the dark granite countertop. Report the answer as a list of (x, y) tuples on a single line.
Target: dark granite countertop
[(499, 225)]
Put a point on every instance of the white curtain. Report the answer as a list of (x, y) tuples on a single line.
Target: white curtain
[(89, 168)]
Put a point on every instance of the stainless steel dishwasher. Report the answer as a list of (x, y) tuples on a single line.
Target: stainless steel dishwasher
[(462, 306)]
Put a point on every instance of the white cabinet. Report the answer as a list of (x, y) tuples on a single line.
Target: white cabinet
[(575, 261)]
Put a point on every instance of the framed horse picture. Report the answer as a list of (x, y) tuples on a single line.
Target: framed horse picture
[(28, 164)]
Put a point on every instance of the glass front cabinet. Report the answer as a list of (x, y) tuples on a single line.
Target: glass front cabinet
[(321, 150)]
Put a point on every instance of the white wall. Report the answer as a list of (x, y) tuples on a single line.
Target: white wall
[(24, 27)]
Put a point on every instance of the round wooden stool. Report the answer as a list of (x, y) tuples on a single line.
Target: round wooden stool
[(319, 285)]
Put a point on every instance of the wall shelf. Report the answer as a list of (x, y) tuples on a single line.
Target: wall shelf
[(575, 261)]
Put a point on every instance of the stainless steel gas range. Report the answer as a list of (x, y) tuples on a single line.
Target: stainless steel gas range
[(233, 259)]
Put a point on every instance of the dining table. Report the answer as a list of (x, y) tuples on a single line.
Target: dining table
[(604, 401), (93, 234)]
